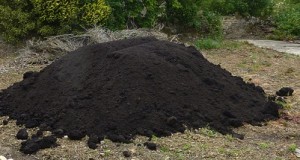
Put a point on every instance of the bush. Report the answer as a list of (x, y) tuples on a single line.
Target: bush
[(287, 22), (258, 8), (15, 20), (133, 13), (209, 24), (181, 14), (49, 17)]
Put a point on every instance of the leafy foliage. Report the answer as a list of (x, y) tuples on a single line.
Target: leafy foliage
[(133, 13), (15, 21), (25, 18), (49, 17), (183, 14), (287, 21), (242, 7)]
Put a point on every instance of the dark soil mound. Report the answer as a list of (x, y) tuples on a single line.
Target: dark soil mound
[(138, 86)]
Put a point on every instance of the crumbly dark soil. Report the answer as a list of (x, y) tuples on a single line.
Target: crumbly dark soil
[(134, 87)]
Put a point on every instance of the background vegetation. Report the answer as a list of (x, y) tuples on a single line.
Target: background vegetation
[(287, 20), (22, 19)]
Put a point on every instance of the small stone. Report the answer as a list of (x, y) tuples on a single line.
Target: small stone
[(102, 154), (22, 134), (127, 153), (285, 91), (2, 158), (150, 145), (297, 152), (76, 135)]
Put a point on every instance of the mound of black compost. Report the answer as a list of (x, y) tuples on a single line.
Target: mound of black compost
[(136, 86)]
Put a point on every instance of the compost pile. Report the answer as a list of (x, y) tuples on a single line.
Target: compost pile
[(140, 86)]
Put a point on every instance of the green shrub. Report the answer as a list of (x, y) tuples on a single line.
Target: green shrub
[(95, 13), (64, 16), (209, 24), (287, 21), (15, 20), (22, 19), (183, 12), (133, 13), (195, 16), (258, 8)]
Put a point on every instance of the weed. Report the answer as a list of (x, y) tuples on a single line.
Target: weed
[(164, 149), (208, 132), (107, 152), (229, 137), (263, 145), (208, 43), (284, 105), (154, 138), (292, 147)]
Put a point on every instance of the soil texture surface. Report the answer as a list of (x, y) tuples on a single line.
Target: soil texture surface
[(132, 87)]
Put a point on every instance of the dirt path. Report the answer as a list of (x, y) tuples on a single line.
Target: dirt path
[(280, 46)]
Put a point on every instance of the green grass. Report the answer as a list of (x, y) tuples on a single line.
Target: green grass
[(208, 43)]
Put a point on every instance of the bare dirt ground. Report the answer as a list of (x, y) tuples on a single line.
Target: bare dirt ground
[(274, 140)]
